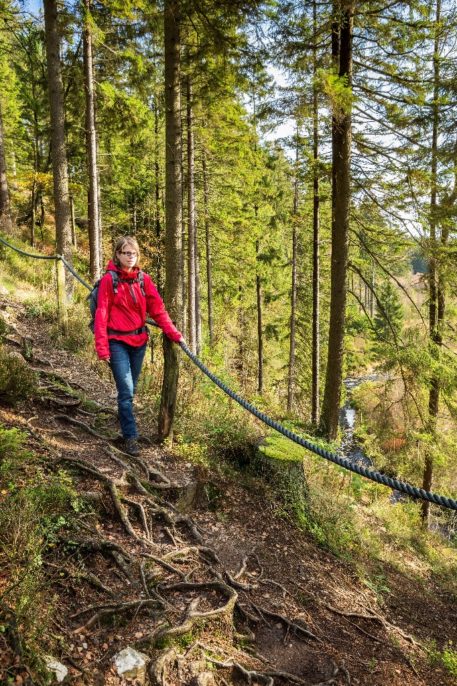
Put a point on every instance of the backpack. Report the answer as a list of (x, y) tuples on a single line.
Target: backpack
[(93, 295)]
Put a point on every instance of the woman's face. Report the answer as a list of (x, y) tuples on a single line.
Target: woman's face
[(127, 257)]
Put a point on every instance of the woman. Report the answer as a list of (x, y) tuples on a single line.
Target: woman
[(124, 299)]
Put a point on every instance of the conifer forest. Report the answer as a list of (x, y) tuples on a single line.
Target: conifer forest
[(289, 170)]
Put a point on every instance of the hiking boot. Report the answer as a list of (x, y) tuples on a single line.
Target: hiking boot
[(131, 447)]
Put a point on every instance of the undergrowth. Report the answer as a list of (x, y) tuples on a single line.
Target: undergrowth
[(17, 381), (35, 505)]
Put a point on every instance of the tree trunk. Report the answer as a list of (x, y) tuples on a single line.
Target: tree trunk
[(33, 211), (258, 290), (73, 222), (191, 230), (341, 155), (436, 308), (198, 317), (5, 210), (91, 149), (315, 355), (157, 204), (293, 292), (209, 277), (173, 210), (183, 254), (58, 145)]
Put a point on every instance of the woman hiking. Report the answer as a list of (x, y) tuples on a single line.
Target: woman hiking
[(125, 297)]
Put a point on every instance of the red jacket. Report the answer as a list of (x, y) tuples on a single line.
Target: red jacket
[(127, 309)]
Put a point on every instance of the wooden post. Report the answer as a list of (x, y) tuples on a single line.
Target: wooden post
[(62, 314), (73, 222)]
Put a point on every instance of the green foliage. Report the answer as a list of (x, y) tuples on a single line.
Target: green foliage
[(330, 520), (41, 308), (387, 324), (78, 337), (338, 90), (3, 328), (446, 657), (224, 432), (34, 506), (17, 381)]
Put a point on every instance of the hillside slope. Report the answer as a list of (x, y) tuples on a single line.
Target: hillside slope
[(200, 571)]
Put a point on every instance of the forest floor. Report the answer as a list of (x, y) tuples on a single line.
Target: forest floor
[(202, 572)]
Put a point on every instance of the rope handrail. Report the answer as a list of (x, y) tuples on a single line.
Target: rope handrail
[(28, 254), (345, 463)]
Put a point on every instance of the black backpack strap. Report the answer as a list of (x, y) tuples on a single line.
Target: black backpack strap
[(115, 278)]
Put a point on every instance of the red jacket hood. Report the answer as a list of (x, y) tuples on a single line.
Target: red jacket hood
[(111, 266)]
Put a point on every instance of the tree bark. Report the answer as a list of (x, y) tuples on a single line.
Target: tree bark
[(191, 226), (341, 155), (315, 356), (258, 289), (58, 145), (209, 276), (73, 222), (293, 292), (198, 314), (91, 149), (5, 209), (173, 209), (436, 298), (157, 203)]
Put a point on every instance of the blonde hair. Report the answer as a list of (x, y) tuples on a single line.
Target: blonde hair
[(121, 243)]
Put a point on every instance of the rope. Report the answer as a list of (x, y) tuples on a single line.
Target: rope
[(371, 474), (75, 274), (28, 254), (379, 478)]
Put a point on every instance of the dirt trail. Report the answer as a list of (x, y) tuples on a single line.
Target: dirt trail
[(200, 572)]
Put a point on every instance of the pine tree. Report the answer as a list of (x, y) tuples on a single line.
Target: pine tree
[(58, 145)]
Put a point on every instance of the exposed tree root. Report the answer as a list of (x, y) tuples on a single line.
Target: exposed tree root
[(63, 404), (53, 376), (141, 510), (137, 461), (290, 626), (192, 614), (112, 489), (166, 565), (161, 482), (109, 609), (81, 425), (158, 670), (203, 551), (120, 556), (375, 617), (267, 677)]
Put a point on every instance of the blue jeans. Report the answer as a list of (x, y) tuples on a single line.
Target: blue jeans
[(126, 362)]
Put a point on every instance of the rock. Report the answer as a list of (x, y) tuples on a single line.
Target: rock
[(57, 667), (131, 664)]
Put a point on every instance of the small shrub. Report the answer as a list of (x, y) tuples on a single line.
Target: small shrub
[(447, 658), (78, 336), (3, 328), (41, 308), (17, 380), (34, 506)]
